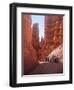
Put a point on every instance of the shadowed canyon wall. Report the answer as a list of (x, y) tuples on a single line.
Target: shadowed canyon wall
[(29, 53), (35, 39)]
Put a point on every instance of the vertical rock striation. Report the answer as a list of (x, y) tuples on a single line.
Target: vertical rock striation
[(53, 35), (35, 39), (30, 58)]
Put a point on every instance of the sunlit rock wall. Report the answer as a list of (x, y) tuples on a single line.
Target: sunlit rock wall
[(56, 55), (53, 35)]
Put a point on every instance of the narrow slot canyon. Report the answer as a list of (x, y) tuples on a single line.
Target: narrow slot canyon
[(42, 51)]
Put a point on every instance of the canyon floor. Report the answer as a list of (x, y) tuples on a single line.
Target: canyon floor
[(52, 65), (47, 68)]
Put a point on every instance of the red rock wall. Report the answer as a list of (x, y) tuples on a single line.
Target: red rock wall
[(30, 58), (53, 35), (42, 50), (35, 39), (58, 34)]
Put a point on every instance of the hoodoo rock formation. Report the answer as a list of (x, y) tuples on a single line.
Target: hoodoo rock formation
[(35, 39)]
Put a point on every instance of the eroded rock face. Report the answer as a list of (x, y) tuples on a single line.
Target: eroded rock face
[(53, 36), (56, 56), (35, 39), (29, 55)]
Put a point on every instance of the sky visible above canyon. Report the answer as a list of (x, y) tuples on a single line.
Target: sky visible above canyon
[(40, 20)]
